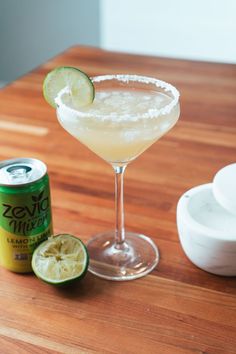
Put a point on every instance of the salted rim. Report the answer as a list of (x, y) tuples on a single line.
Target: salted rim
[(151, 113)]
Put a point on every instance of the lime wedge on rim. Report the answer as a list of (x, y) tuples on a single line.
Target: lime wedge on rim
[(80, 86), (60, 260)]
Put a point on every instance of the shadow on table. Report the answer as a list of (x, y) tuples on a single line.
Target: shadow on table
[(89, 286)]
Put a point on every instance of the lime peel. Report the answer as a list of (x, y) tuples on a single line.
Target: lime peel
[(60, 259)]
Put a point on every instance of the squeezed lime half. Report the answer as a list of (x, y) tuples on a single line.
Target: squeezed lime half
[(79, 85), (60, 260)]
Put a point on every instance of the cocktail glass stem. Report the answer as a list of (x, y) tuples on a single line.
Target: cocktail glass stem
[(119, 207)]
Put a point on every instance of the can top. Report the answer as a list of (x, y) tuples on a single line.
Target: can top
[(21, 171)]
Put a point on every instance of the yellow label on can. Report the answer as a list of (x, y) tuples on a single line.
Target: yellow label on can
[(16, 251)]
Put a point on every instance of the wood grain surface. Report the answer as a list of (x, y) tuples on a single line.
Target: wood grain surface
[(176, 309)]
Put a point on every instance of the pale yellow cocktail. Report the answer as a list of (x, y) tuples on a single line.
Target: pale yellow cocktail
[(117, 126)]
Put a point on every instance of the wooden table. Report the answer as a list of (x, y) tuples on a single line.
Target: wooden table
[(178, 308)]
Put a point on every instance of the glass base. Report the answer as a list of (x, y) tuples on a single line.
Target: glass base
[(137, 257)]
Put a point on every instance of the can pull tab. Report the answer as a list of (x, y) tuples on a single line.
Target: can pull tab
[(19, 174)]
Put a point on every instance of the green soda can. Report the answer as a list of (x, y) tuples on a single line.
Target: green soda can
[(25, 211)]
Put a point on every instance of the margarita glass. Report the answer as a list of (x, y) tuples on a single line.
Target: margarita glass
[(129, 113)]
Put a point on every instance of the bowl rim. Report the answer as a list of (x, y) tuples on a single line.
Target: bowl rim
[(182, 209)]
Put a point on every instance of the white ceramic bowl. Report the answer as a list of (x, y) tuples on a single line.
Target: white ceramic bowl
[(207, 231)]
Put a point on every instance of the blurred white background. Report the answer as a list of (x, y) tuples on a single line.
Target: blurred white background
[(202, 29), (33, 31)]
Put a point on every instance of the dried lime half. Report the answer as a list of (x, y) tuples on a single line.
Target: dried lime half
[(60, 260), (78, 84)]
